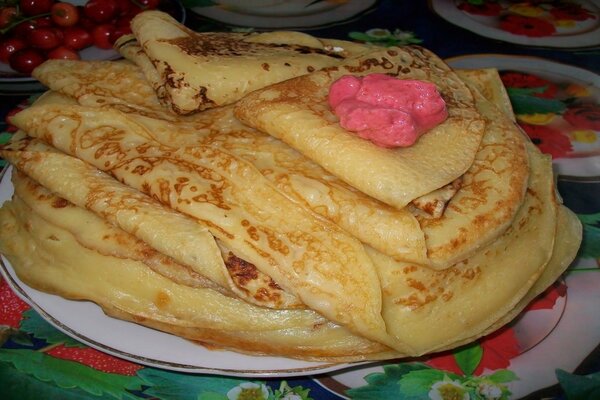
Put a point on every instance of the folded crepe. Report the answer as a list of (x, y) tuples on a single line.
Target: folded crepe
[(392, 231), (296, 111), (307, 256), (51, 259), (194, 71), (432, 309)]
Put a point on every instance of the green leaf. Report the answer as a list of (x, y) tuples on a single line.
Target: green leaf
[(468, 358), (418, 383), (524, 104), (589, 218), (512, 91), (384, 385), (35, 325), (590, 245), (173, 385), (363, 37), (5, 137), (16, 384), (579, 387), (198, 3), (502, 376), (70, 374)]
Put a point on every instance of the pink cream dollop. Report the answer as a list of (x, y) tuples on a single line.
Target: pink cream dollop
[(388, 111)]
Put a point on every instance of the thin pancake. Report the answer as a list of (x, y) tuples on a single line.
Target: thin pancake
[(175, 235), (95, 233), (49, 258), (392, 231), (491, 192), (296, 111), (430, 310), (309, 257), (197, 71)]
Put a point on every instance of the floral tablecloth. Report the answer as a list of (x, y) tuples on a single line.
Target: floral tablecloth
[(555, 92)]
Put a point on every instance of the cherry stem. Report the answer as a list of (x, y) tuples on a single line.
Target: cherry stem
[(19, 21)]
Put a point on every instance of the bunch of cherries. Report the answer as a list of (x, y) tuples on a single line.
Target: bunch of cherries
[(33, 31)]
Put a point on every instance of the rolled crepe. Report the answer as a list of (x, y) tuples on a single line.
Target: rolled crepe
[(195, 71)]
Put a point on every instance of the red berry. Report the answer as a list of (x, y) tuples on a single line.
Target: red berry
[(102, 36), (95, 359), (35, 7), (26, 60), (77, 38), (44, 38), (101, 10), (63, 53), (11, 306), (9, 46), (65, 14)]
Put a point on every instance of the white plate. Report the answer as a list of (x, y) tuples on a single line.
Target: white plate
[(583, 34), (86, 322), (288, 14), (585, 159)]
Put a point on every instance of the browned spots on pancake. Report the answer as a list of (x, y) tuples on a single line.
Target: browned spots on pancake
[(53, 238), (241, 270), (162, 299), (60, 203), (233, 44), (409, 269), (414, 301), (415, 284), (265, 66), (310, 68), (243, 273)]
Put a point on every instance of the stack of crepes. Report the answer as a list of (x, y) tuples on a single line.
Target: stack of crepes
[(204, 187)]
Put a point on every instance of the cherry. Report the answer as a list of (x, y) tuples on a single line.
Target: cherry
[(35, 7), (44, 38), (9, 46), (26, 60), (77, 38), (63, 53), (101, 10), (64, 14), (101, 35)]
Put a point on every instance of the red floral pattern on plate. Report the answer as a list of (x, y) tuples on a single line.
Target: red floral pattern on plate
[(514, 79), (527, 26), (584, 116), (498, 349), (549, 140), (11, 306)]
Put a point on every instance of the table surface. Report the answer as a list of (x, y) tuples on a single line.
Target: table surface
[(36, 358)]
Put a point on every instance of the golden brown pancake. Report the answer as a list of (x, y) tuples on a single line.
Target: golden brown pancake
[(307, 256), (296, 111), (196, 71)]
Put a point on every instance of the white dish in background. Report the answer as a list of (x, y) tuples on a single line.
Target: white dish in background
[(583, 34), (288, 14), (585, 158)]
